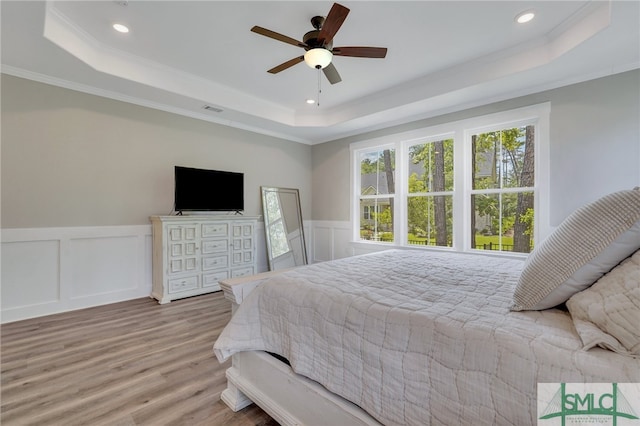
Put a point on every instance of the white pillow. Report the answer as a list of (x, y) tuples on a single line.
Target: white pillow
[(586, 245), (607, 314)]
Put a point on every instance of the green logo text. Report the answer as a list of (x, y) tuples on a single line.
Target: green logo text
[(565, 404)]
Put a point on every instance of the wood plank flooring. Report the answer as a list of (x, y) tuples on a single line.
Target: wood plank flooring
[(129, 363)]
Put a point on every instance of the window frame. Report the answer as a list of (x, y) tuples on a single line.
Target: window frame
[(460, 131)]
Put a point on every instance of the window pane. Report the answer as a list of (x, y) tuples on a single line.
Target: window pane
[(430, 220), (376, 219), (504, 158), (502, 222), (377, 170), (430, 167), (485, 159)]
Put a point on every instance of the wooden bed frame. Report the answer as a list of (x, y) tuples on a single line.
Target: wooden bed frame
[(289, 398)]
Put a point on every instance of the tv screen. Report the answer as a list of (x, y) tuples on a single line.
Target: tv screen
[(208, 190)]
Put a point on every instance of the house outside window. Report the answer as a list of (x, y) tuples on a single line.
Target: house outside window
[(479, 184)]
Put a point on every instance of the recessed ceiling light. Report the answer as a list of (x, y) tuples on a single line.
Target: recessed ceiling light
[(310, 101), (121, 28), (525, 16)]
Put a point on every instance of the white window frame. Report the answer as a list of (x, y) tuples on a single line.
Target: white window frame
[(461, 132)]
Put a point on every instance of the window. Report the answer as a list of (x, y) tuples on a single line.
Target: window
[(476, 184), (430, 193), (376, 194), (502, 195)]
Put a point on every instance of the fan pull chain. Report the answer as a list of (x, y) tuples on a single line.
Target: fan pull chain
[(319, 84)]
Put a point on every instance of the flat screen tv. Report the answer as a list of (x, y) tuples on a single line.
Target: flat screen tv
[(208, 190)]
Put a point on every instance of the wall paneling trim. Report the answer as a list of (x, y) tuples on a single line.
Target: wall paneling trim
[(51, 270)]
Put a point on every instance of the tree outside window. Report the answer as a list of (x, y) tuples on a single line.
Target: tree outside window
[(430, 193), (502, 203)]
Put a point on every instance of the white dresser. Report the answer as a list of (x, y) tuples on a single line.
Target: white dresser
[(191, 254)]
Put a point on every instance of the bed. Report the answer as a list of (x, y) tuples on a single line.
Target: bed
[(404, 337)]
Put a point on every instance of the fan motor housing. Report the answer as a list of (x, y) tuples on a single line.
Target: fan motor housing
[(311, 40)]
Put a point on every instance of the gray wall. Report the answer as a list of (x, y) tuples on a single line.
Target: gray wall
[(72, 159), (595, 145)]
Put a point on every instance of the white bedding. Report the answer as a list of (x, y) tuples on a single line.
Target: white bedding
[(416, 337)]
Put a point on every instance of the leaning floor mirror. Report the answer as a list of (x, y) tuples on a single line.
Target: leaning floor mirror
[(283, 228)]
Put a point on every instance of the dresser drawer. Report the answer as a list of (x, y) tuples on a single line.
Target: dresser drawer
[(177, 285), (210, 230), (214, 246), (212, 279), (242, 272), (215, 262)]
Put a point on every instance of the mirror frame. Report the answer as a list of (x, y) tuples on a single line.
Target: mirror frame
[(299, 258)]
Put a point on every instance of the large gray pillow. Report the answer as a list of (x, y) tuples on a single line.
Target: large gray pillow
[(586, 245), (607, 314)]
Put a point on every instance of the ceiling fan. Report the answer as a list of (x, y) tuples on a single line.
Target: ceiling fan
[(319, 44)]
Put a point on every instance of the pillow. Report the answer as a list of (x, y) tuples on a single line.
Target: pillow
[(586, 245), (607, 314)]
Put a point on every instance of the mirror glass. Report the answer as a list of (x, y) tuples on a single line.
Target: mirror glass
[(283, 228)]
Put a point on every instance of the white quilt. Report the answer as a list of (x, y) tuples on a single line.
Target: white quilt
[(419, 338)]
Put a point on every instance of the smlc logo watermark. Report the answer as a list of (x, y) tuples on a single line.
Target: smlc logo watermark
[(575, 404)]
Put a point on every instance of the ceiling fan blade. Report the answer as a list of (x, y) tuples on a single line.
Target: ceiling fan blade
[(277, 36), (332, 23), (283, 66), (331, 73), (360, 51)]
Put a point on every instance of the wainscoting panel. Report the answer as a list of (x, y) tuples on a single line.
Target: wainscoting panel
[(30, 273), (330, 240), (51, 270), (104, 265), (322, 238)]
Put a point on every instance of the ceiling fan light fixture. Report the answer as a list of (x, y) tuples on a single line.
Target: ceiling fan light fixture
[(318, 57)]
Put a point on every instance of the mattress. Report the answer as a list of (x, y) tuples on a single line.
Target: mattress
[(417, 337)]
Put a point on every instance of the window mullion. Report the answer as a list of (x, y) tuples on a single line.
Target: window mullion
[(462, 186)]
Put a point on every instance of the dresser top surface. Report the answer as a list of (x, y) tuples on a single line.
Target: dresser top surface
[(202, 217)]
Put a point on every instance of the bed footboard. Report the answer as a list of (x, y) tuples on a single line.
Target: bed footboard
[(289, 398)]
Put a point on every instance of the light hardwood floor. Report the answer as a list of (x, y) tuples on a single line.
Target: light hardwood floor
[(128, 363)]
